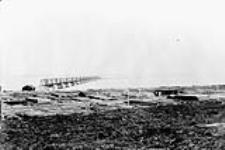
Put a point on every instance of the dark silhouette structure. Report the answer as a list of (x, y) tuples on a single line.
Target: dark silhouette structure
[(62, 83), (184, 98), (166, 92), (28, 88)]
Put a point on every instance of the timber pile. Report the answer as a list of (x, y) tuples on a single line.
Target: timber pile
[(170, 126)]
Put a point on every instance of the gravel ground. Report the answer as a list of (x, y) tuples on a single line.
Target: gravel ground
[(170, 126)]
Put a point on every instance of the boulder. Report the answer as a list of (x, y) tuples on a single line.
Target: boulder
[(81, 94), (28, 88)]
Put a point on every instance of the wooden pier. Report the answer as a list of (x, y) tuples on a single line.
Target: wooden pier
[(61, 83)]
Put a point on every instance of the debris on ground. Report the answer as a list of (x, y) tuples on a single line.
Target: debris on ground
[(67, 120)]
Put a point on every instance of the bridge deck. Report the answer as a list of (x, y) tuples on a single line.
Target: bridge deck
[(66, 82)]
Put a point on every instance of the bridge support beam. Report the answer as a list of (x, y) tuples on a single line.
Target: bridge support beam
[(60, 83)]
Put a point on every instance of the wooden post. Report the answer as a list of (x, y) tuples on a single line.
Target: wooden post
[(2, 110), (128, 97), (139, 93)]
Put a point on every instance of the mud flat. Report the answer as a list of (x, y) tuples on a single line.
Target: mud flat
[(105, 119)]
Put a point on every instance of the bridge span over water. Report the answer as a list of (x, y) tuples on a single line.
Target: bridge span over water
[(62, 83)]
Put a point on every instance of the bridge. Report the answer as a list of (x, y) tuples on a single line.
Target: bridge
[(62, 83)]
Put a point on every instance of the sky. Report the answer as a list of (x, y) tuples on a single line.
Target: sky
[(176, 41)]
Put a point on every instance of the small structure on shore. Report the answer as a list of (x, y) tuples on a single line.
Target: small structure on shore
[(166, 92), (28, 88)]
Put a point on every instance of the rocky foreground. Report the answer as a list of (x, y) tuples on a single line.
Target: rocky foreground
[(171, 127), (181, 125)]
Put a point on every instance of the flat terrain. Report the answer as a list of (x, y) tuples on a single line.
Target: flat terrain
[(110, 119)]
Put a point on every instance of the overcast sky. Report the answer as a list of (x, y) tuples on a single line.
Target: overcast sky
[(165, 40)]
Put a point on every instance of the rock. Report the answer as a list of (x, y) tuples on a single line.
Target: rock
[(32, 100), (82, 94), (28, 88)]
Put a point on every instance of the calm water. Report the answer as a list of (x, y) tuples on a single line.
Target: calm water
[(16, 83)]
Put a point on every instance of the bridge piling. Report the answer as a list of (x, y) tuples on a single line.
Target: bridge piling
[(60, 83)]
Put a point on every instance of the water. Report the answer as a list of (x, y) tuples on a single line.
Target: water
[(16, 83)]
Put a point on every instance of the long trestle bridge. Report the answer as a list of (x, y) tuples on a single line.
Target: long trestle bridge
[(62, 83)]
